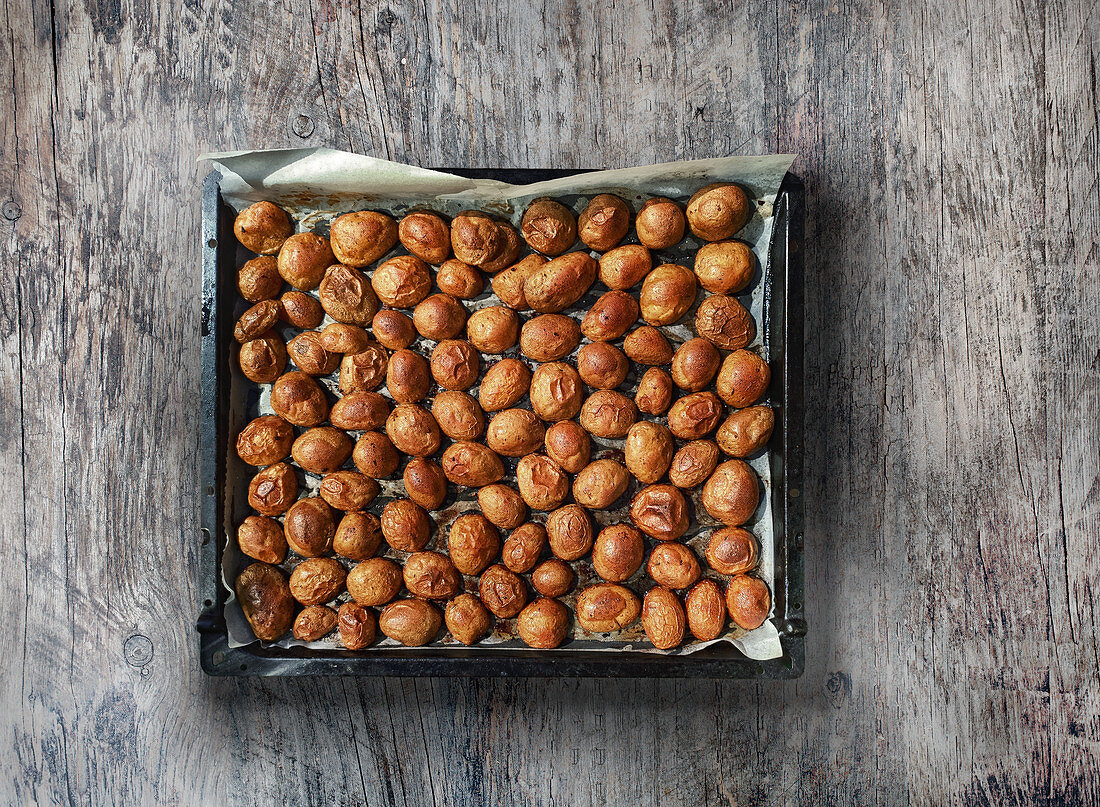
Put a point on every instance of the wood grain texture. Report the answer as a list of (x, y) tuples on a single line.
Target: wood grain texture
[(951, 153)]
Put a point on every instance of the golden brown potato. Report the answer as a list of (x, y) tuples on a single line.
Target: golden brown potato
[(259, 279), (413, 430), (724, 321), (706, 610), (313, 623), (458, 414), (602, 365), (748, 601), (262, 227), (402, 281), (300, 309), (374, 455), (625, 266), (743, 379), (647, 345), (549, 227), (654, 394), (718, 211), (607, 413), (310, 356), (472, 464), (746, 431), (438, 317), (504, 385), (405, 525), (310, 527), (315, 581), (476, 239), (523, 547), (503, 592), (358, 536), (618, 552), (357, 625), (262, 360), (348, 490), (432, 576), (393, 329), (648, 451), (411, 622), (610, 316), (660, 511), (493, 329), (693, 464), (660, 223), (364, 371), (607, 607), (265, 598), (273, 490), (663, 618), (321, 449), (568, 445), (375, 581), (303, 258), (725, 267), (542, 483), (460, 280), (732, 550), (515, 432), (338, 337), (604, 222), (256, 321), (502, 505), (695, 415), (695, 364), (732, 493), (360, 411), (262, 538), (473, 543), (549, 337), (561, 282), (347, 296), (555, 391), (569, 532), (265, 440), (543, 624), (408, 376), (467, 619), (455, 364), (425, 235), (425, 483), (361, 238), (552, 578), (667, 294), (510, 252), (600, 484), (508, 284), (673, 565)]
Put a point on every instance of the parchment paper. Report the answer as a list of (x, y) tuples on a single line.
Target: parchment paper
[(315, 185)]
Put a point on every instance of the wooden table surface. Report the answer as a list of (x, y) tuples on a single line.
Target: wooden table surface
[(951, 154)]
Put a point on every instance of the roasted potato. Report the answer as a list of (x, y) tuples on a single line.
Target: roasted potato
[(431, 576), (309, 354), (569, 532), (455, 364), (300, 309), (693, 464), (660, 223), (541, 481), (502, 505), (748, 601), (523, 547), (648, 451), (725, 267), (543, 623), (265, 440), (438, 317), (618, 552), (262, 227), (604, 222), (504, 385), (660, 511), (425, 235), (262, 538), (674, 565), (262, 359), (549, 337), (348, 490), (303, 258), (508, 284), (374, 455), (654, 395), (667, 294), (724, 321), (313, 623), (411, 622), (607, 607), (599, 484), (259, 279), (555, 391), (402, 281), (548, 227), (360, 411), (695, 364), (472, 464), (503, 592), (358, 536), (493, 329), (473, 543), (515, 432), (602, 365), (568, 445), (425, 483), (718, 211), (460, 280), (610, 316), (732, 493), (467, 619), (375, 581), (561, 282), (347, 296), (663, 618), (607, 413), (695, 415), (273, 490), (321, 449), (413, 430), (310, 527), (458, 414), (552, 578), (405, 525), (732, 550), (357, 625), (743, 379), (625, 266), (265, 598), (705, 608), (256, 321), (361, 238), (746, 431), (316, 581), (647, 345)]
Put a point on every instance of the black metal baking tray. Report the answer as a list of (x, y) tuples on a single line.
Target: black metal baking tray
[(783, 307)]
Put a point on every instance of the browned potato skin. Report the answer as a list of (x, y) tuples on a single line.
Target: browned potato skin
[(408, 376), (321, 449), (618, 552), (360, 411), (339, 337), (358, 536), (365, 370), (405, 525), (504, 385), (673, 565), (732, 550), (610, 316), (315, 581), (625, 266), (568, 445), (667, 294), (413, 430), (309, 527), (553, 578), (256, 321), (472, 464), (663, 618), (458, 414), (725, 267), (348, 490), (467, 619), (743, 379), (561, 282), (473, 543), (604, 222), (314, 622), (357, 625), (695, 415), (455, 364), (411, 622), (361, 238), (493, 329), (431, 576), (718, 211), (732, 493), (425, 235), (548, 227), (262, 538), (300, 309), (748, 601), (425, 483), (303, 258), (259, 279), (374, 455), (695, 364), (541, 481), (262, 359), (660, 223), (607, 607), (460, 280), (347, 296), (310, 355), (502, 505), (508, 284), (747, 431), (648, 451), (265, 440), (439, 317), (660, 511), (647, 345), (724, 321), (607, 413), (705, 608), (602, 366), (273, 490), (569, 532), (262, 227), (543, 624), (503, 592), (555, 391), (393, 329), (693, 463), (515, 432), (299, 399), (655, 390), (265, 598), (600, 484), (375, 581), (475, 238), (549, 337), (523, 547), (402, 281), (511, 250)]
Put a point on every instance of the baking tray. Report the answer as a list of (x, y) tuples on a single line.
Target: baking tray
[(783, 315)]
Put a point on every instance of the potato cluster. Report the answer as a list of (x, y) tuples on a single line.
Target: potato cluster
[(517, 398)]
